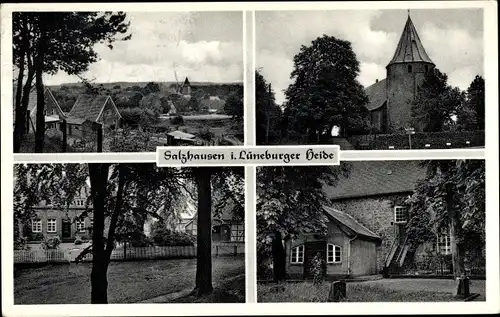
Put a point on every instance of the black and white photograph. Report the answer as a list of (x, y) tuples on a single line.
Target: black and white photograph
[(101, 233), (372, 231), (371, 79), (126, 81)]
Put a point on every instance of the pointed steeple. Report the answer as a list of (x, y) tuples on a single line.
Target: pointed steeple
[(410, 48), (186, 82)]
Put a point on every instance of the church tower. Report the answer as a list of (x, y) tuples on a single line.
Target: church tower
[(405, 73), (186, 88)]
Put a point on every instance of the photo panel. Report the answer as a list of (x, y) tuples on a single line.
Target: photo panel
[(126, 81), (372, 231), (371, 79), (128, 233)]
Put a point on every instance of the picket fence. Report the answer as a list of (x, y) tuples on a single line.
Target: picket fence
[(129, 253)]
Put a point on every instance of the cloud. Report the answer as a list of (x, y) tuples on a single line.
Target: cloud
[(456, 47), (164, 41)]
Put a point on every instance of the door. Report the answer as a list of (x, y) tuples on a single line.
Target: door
[(66, 229), (311, 249), (400, 233), (225, 233)]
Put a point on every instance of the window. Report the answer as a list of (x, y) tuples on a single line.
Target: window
[(410, 68), (237, 232), (400, 214), (36, 225), (426, 68), (80, 226), (297, 255), (51, 225), (334, 254), (444, 244)]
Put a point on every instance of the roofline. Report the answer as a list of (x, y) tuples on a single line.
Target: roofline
[(359, 235), (370, 195), (76, 101), (104, 104), (55, 101), (392, 63)]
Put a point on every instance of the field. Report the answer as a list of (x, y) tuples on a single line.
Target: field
[(129, 282), (384, 290)]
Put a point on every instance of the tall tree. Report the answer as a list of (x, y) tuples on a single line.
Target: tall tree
[(436, 102), (450, 198), (289, 201), (325, 91), (267, 112), (48, 42), (234, 104), (471, 116)]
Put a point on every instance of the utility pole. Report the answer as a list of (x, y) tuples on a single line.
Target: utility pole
[(268, 114)]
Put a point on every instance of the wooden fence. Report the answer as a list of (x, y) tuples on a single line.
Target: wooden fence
[(129, 253)]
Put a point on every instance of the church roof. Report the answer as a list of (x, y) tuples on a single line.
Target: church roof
[(186, 82), (377, 95), (410, 48)]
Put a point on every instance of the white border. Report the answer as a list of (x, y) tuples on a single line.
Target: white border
[(491, 155)]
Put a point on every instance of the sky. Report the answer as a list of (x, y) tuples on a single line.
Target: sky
[(453, 38), (204, 46)]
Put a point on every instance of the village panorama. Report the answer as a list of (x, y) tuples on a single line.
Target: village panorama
[(92, 83)]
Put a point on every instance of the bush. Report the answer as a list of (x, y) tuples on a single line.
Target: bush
[(318, 269), (36, 236), (51, 243), (206, 134), (21, 243), (166, 237), (141, 241), (177, 120)]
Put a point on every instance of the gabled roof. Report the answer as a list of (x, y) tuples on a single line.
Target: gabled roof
[(377, 95), (32, 99), (371, 178), (350, 223), (410, 48), (90, 107)]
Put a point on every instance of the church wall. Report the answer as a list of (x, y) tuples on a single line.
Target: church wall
[(401, 91)]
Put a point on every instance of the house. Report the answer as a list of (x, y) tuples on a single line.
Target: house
[(92, 109), (366, 220), (52, 113), (390, 99), (50, 221)]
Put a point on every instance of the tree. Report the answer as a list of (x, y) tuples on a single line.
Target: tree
[(229, 184), (151, 88), (119, 192), (290, 201), (325, 91), (48, 42), (267, 112), (451, 197), (234, 104), (436, 102), (471, 115)]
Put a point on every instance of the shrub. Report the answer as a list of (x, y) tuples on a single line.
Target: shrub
[(177, 120), (206, 134), (51, 243), (165, 237), (141, 241), (318, 269), (21, 243), (36, 236)]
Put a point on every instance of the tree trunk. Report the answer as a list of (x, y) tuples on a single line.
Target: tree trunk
[(204, 234), (98, 278), (279, 258), (456, 254), (20, 119), (40, 98)]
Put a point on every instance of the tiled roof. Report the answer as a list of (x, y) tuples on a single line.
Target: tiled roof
[(410, 48), (377, 95), (370, 178), (88, 107), (351, 223)]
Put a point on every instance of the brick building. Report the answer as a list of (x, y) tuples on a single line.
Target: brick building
[(390, 99)]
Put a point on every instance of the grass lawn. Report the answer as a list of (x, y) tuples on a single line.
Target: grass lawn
[(385, 290), (128, 282), (232, 291)]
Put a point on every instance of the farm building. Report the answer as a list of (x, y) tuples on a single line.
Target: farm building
[(93, 108), (53, 112)]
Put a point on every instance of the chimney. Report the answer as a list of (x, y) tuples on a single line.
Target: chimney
[(376, 80)]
